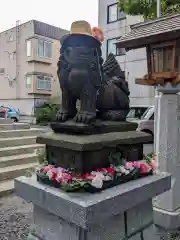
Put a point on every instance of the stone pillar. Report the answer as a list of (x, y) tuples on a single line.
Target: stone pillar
[(167, 205), (156, 122), (120, 213)]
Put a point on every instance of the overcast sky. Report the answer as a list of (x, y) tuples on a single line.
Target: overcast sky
[(60, 13)]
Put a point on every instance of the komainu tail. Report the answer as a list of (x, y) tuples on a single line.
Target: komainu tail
[(114, 73), (112, 68)]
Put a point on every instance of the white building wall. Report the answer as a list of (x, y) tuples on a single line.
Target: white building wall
[(14, 92), (134, 62)]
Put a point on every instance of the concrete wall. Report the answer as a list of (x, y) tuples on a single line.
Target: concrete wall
[(134, 62)]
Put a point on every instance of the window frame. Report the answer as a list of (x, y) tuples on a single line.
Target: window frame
[(107, 48), (45, 81), (44, 55), (118, 15)]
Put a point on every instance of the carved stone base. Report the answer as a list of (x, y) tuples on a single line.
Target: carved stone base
[(88, 152), (93, 128)]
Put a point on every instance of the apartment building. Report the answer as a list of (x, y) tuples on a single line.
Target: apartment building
[(115, 24), (28, 65)]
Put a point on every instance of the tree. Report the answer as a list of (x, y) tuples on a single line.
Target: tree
[(147, 8)]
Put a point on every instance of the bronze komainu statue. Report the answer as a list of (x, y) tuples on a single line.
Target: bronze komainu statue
[(101, 88)]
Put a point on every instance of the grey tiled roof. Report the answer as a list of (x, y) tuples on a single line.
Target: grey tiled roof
[(47, 30), (151, 29)]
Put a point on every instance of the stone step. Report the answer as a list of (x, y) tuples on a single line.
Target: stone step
[(17, 141), (9, 151), (20, 132), (6, 187), (18, 160), (6, 121), (15, 171), (7, 126)]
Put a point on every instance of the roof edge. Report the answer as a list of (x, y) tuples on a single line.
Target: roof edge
[(137, 43), (133, 26), (15, 26), (32, 20)]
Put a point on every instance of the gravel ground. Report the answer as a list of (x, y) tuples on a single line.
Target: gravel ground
[(15, 218)]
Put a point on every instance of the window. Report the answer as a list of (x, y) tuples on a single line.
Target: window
[(131, 113), (152, 117), (40, 50), (44, 82), (148, 114), (44, 49), (112, 48), (114, 14), (28, 48), (28, 81), (48, 49), (136, 112)]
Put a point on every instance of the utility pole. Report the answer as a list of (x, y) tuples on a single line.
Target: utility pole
[(158, 8), (18, 85)]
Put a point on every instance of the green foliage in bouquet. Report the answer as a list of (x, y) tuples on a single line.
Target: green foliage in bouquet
[(148, 158), (116, 159)]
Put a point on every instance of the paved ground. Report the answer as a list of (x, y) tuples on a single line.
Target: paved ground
[(15, 218), (27, 119)]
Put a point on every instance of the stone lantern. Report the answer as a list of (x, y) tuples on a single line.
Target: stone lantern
[(161, 38)]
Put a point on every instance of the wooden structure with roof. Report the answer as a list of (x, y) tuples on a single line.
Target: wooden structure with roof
[(161, 37)]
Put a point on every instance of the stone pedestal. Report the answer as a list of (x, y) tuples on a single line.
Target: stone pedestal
[(120, 213), (167, 205), (88, 152)]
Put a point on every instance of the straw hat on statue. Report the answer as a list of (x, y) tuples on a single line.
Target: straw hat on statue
[(78, 27), (84, 28), (81, 27)]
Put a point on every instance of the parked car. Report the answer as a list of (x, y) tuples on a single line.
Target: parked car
[(146, 123), (11, 113), (136, 112)]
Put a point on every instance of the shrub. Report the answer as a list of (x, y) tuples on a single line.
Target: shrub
[(47, 113)]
